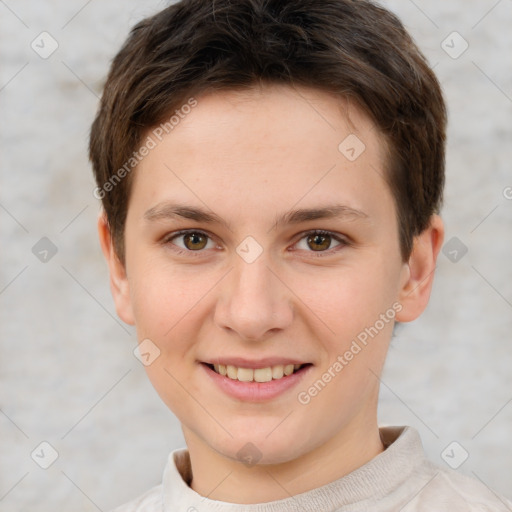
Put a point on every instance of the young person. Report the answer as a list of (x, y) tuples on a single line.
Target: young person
[(271, 174)]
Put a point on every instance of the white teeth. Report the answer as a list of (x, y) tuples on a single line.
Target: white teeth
[(288, 369), (232, 372), (277, 371), (245, 374), (258, 374), (262, 374)]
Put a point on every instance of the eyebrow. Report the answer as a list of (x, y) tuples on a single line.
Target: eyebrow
[(169, 210)]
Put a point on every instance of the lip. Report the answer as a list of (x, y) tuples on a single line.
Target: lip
[(255, 391)]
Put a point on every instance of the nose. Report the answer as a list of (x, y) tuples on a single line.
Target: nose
[(254, 302)]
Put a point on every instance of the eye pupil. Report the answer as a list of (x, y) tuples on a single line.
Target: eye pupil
[(317, 239), (195, 238)]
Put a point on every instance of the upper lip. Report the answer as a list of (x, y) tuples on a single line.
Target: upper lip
[(242, 362)]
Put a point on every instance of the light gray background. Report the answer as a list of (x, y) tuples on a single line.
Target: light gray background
[(68, 374)]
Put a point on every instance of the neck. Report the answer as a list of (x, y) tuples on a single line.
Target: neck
[(224, 479)]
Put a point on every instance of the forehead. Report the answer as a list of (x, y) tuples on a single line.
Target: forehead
[(274, 114), (253, 147)]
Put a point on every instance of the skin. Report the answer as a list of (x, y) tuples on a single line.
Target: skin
[(250, 157)]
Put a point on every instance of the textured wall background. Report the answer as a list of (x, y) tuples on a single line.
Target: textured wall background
[(68, 374)]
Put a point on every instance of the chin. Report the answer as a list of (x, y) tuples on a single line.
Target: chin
[(260, 449)]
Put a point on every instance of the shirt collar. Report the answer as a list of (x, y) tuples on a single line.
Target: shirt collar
[(377, 478)]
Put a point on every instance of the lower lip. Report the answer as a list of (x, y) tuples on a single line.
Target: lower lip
[(255, 391)]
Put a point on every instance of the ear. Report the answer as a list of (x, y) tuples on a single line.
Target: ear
[(418, 272), (118, 280)]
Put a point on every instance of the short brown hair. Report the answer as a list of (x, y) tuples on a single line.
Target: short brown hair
[(352, 48)]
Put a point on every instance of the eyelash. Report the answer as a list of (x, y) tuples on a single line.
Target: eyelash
[(317, 254)]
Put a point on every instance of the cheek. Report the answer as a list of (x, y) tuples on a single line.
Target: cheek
[(171, 304), (348, 299), (358, 306), (166, 306), (163, 300)]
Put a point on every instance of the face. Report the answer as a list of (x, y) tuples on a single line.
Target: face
[(260, 240)]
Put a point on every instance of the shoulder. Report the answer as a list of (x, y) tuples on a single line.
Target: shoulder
[(176, 473), (425, 486), (150, 501), (446, 489)]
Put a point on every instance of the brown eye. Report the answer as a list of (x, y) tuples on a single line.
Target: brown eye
[(319, 242), (189, 242), (195, 241)]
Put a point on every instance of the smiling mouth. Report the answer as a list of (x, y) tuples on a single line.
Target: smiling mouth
[(267, 374)]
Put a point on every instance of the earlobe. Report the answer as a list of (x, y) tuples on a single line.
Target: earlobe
[(119, 285), (418, 272)]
